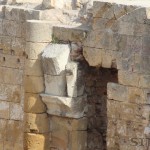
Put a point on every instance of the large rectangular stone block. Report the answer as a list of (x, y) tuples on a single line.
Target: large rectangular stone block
[(16, 111), (55, 85), (65, 106), (55, 58), (36, 123), (36, 141), (38, 31), (114, 91), (12, 93), (33, 104), (4, 110), (75, 81), (3, 124), (12, 61), (128, 78), (14, 132), (11, 76), (34, 50), (33, 67), (34, 84)]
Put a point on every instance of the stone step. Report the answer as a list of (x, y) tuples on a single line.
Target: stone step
[(75, 33)]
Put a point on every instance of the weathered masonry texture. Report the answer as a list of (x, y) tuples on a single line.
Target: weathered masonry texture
[(74, 75)]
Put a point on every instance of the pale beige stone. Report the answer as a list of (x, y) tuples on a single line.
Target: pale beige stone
[(93, 56), (11, 61), (65, 106), (55, 58), (34, 84), (11, 76), (117, 92), (33, 103), (75, 81), (38, 31), (55, 85), (3, 123), (144, 81), (73, 33), (16, 111), (4, 110), (14, 132), (34, 50), (106, 59), (35, 141), (33, 67), (36, 123), (10, 92), (78, 140), (128, 78)]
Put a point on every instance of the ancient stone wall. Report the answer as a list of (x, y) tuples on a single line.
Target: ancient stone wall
[(96, 88), (93, 77)]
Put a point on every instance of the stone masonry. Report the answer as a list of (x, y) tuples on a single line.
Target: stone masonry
[(74, 75)]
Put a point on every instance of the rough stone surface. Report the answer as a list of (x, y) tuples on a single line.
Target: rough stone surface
[(75, 81), (65, 106), (55, 58)]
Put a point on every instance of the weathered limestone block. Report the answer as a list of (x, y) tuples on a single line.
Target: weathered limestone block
[(38, 31), (106, 59), (18, 45), (93, 56), (33, 104), (34, 84), (75, 81), (62, 130), (11, 76), (10, 93), (57, 123), (144, 81), (59, 4), (55, 58), (36, 123), (70, 33), (3, 124), (14, 131), (11, 61), (16, 111), (36, 141), (55, 85), (6, 42), (4, 110), (34, 50), (128, 78), (136, 95), (78, 140), (33, 67), (65, 106), (11, 28), (114, 91)]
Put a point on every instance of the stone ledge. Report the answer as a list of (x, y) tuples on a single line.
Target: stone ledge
[(65, 106)]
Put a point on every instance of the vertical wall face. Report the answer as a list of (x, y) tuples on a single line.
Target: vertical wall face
[(96, 89), (11, 79), (119, 38)]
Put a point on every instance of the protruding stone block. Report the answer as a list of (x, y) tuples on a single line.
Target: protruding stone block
[(75, 81), (55, 58), (38, 31), (65, 106), (55, 85)]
